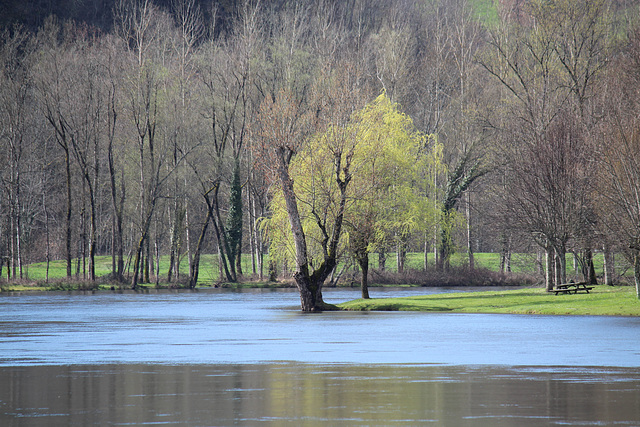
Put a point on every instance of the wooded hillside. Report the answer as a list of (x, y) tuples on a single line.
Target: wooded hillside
[(140, 129)]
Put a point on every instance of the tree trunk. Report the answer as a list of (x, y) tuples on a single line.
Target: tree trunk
[(505, 252), (82, 242), (590, 270), (8, 247), (363, 261), (636, 272), (382, 260), (309, 294), (309, 285), (226, 265), (221, 274), (539, 265), (47, 236), (234, 222), (469, 234), (117, 249), (609, 266), (187, 234), (136, 264), (92, 233), (426, 253), (550, 256), (401, 255), (67, 161), (148, 268), (446, 241), (252, 240), (156, 253), (259, 252), (82, 253), (140, 247), (195, 262), (173, 231), (561, 263)]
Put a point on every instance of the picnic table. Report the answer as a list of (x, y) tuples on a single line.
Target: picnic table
[(567, 288)]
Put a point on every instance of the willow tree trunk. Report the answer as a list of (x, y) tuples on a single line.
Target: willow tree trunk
[(382, 260), (310, 292), (426, 253), (309, 285)]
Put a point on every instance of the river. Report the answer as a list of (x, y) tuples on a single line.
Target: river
[(250, 357)]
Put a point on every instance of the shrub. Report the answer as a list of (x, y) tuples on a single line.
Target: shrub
[(455, 276)]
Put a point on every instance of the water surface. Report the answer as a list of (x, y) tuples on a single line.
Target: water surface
[(220, 357), (256, 326)]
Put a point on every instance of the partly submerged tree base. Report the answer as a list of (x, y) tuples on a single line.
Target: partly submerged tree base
[(323, 306)]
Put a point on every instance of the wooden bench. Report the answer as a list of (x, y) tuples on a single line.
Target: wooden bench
[(567, 288)]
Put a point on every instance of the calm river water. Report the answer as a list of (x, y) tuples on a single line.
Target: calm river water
[(221, 357)]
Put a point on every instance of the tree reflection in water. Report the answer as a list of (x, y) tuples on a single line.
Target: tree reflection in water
[(308, 394)]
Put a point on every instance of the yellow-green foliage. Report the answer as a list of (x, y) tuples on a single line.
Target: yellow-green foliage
[(389, 164)]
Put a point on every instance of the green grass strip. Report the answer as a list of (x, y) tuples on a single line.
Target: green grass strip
[(603, 300)]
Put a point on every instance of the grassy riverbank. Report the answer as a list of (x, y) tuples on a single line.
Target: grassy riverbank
[(603, 300)]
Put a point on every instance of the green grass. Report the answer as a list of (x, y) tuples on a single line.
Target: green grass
[(34, 274), (520, 262), (58, 269), (603, 300)]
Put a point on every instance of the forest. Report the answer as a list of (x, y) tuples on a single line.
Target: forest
[(312, 135)]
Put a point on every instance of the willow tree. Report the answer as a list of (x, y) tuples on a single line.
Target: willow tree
[(284, 131), (387, 199), (368, 190)]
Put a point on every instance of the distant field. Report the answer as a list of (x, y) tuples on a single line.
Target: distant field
[(58, 268), (486, 11)]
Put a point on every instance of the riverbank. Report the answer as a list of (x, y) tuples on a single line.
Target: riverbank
[(88, 286), (602, 300)]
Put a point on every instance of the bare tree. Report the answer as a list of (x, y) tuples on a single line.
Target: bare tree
[(144, 28), (53, 87), (550, 148), (181, 126), (16, 136), (112, 81), (619, 155), (225, 70)]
